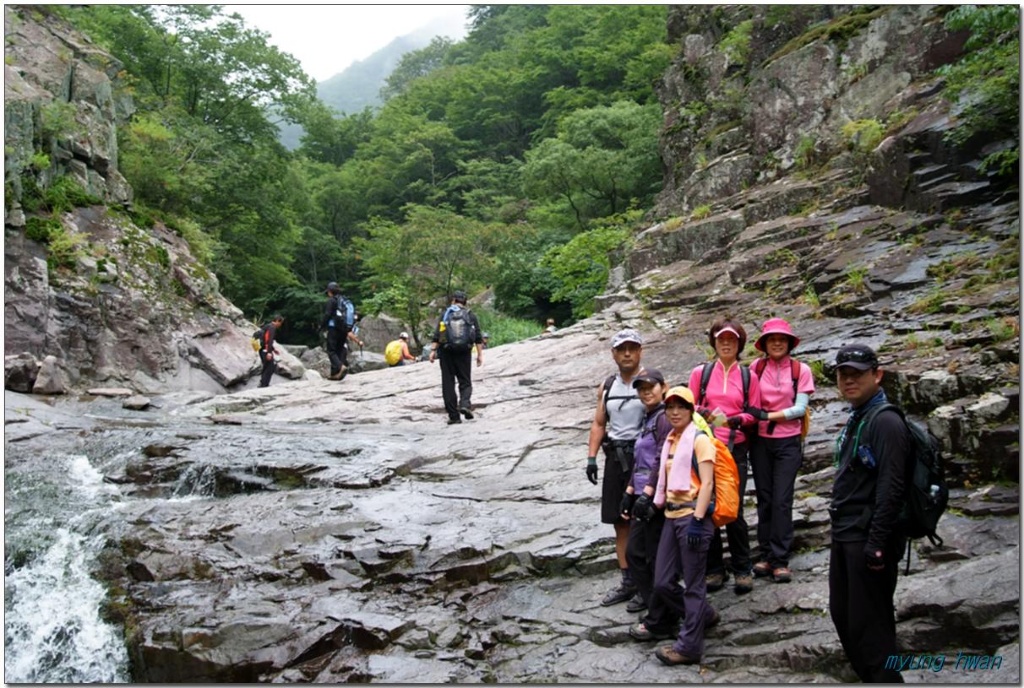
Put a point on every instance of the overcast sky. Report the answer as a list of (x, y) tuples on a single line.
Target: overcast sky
[(326, 39)]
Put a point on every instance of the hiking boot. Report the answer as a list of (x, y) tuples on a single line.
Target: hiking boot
[(619, 594), (762, 569), (636, 604), (744, 583), (669, 656), (334, 376), (643, 634), (782, 575), (715, 581), (453, 421), (467, 412), (342, 373)]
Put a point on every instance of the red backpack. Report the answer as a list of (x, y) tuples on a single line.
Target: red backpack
[(725, 504)]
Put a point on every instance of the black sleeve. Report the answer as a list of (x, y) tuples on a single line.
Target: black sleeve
[(892, 446), (329, 309), (479, 333)]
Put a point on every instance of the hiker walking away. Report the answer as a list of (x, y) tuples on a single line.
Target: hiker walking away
[(725, 387), (339, 317), (777, 453), (686, 480), (396, 353), (873, 462), (453, 341), (615, 428), (268, 336), (645, 520)]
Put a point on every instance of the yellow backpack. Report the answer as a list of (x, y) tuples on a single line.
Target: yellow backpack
[(393, 352)]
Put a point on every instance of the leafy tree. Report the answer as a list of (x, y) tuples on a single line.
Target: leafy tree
[(416, 64), (581, 266), (603, 159), (426, 257)]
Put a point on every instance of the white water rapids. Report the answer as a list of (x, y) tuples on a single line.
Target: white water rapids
[(53, 632)]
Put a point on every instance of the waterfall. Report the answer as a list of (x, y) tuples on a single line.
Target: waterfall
[(53, 632)]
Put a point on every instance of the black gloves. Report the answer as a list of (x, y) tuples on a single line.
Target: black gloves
[(873, 559), (694, 532), (592, 469), (757, 413), (734, 422), (626, 505), (643, 508)]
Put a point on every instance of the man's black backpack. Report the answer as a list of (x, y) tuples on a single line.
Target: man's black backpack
[(927, 494), (459, 331)]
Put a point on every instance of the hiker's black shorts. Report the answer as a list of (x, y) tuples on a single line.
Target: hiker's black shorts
[(613, 487)]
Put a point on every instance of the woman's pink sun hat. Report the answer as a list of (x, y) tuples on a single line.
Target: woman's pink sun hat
[(776, 326)]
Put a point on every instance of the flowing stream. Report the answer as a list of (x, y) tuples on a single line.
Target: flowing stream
[(57, 510)]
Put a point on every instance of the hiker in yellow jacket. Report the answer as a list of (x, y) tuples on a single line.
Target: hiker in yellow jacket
[(396, 353)]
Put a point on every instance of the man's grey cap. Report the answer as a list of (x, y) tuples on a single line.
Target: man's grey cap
[(627, 335)]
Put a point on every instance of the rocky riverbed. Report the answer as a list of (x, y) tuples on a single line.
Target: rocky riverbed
[(337, 532)]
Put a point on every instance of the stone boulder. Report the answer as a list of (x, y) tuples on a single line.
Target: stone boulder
[(20, 372)]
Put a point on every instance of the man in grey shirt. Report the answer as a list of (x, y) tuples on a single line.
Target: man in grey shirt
[(617, 423)]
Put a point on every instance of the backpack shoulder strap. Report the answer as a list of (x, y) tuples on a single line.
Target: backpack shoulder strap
[(705, 377), (607, 388), (759, 364), (745, 377)]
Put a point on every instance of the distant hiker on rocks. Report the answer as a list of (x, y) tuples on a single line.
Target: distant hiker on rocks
[(724, 388), (873, 463), (686, 480), (268, 336), (396, 353), (616, 426), (338, 320), (453, 340), (645, 521), (777, 454), (550, 326)]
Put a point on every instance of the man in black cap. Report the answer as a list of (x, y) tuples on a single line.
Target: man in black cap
[(453, 339), (873, 462), (337, 332)]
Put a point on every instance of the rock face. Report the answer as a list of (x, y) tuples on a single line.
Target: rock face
[(135, 308)]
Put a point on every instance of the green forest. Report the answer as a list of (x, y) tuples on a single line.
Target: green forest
[(516, 159)]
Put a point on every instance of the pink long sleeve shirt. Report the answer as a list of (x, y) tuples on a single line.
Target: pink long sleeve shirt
[(776, 387), (725, 392)]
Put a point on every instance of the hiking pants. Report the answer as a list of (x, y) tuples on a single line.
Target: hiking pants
[(336, 351), (737, 531), (641, 554), (456, 365), (775, 463), (861, 606), (269, 366), (691, 604)]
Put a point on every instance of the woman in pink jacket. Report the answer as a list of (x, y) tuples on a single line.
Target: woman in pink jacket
[(786, 386), (725, 388)]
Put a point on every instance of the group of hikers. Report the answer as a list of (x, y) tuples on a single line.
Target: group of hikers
[(675, 468)]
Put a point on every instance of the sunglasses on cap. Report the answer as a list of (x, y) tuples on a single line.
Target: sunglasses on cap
[(856, 356)]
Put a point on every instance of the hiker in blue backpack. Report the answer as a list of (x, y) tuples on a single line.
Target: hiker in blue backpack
[(454, 337), (777, 452), (724, 388), (873, 462), (337, 321)]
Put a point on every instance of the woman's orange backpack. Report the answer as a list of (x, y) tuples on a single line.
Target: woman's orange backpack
[(725, 504)]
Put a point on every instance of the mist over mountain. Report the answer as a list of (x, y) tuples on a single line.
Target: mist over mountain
[(358, 86)]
